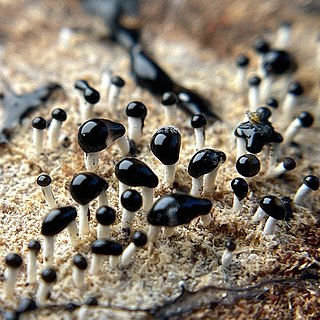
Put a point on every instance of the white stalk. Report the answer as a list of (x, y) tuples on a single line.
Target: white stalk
[(237, 204), (73, 233), (86, 111), (103, 232), (38, 140), (266, 86), (135, 129), (147, 196), (301, 194), (206, 219), (78, 277), (123, 145), (260, 70), (196, 188), (48, 248), (273, 155), (241, 78), (114, 261), (32, 267), (276, 171), (153, 233), (254, 98), (226, 258), (54, 133), (209, 181), (128, 253), (103, 199), (91, 161), (169, 174), (42, 293), (10, 281), (171, 114), (241, 147), (105, 85), (200, 137), (168, 231), (291, 131), (83, 220), (283, 38), (289, 104), (269, 226), (122, 188), (96, 264), (127, 218), (48, 195), (259, 215), (113, 99), (64, 38)]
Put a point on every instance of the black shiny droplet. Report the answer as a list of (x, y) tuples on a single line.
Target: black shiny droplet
[(106, 247), (137, 109), (34, 245), (106, 215), (39, 123), (165, 145), (57, 220), (230, 245), (59, 114), (261, 46), (44, 180), (117, 81), (81, 85), (295, 88), (80, 262), (13, 260), (198, 121), (205, 161), (169, 99), (148, 74), (26, 305), (135, 173), (131, 200), (288, 163), (248, 165), (49, 275), (306, 119), (278, 62), (272, 102), (264, 114), (86, 186), (91, 95), (242, 61), (139, 238), (254, 81), (273, 206), (312, 182), (177, 209), (97, 134), (16, 107), (240, 188)]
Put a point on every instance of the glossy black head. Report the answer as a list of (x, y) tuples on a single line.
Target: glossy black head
[(295, 88), (273, 206), (13, 260), (240, 188), (131, 200), (135, 173), (205, 161), (59, 115), (169, 99), (177, 209), (261, 46), (91, 95), (117, 81), (49, 275), (277, 62), (43, 180), (106, 247), (39, 123), (96, 134), (81, 85), (106, 215), (248, 165), (57, 220), (198, 121), (242, 61), (165, 145), (254, 81), (86, 186), (289, 163), (306, 119), (34, 245), (272, 102), (136, 109), (264, 114), (311, 182), (80, 262), (139, 238), (230, 245)]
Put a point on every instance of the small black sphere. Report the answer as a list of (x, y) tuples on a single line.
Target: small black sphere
[(248, 165), (289, 163), (91, 95), (81, 85), (169, 99), (272, 102), (136, 109), (117, 81), (131, 200), (198, 121), (242, 61), (273, 206), (295, 88), (80, 262), (13, 260), (39, 123), (240, 188), (278, 62), (106, 215), (49, 275), (34, 245), (59, 114), (306, 119), (312, 182), (230, 245), (139, 239), (254, 81), (261, 46), (264, 114), (44, 180)]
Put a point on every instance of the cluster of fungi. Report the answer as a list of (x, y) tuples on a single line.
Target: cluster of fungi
[(257, 144)]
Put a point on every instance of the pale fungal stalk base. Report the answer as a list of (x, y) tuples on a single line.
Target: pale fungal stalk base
[(209, 181), (135, 129), (169, 174), (128, 253), (237, 205), (105, 85), (103, 199), (54, 133), (226, 258), (91, 161), (254, 99), (288, 107), (171, 114), (168, 231), (42, 293), (96, 264), (113, 98), (259, 215), (10, 281), (114, 261), (123, 145), (269, 226), (73, 233), (276, 171), (196, 188), (206, 219), (83, 220), (273, 155), (78, 277), (32, 267), (127, 218), (291, 131), (266, 86), (301, 194), (200, 137), (38, 140), (103, 232), (48, 195), (241, 78), (153, 233), (241, 147), (86, 111), (48, 248), (147, 196)]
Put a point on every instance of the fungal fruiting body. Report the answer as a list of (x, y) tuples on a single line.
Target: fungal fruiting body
[(261, 48), (295, 90), (38, 124), (248, 165), (116, 84), (58, 117), (33, 247), (198, 123), (13, 262), (79, 266), (284, 36), (169, 104), (242, 64), (276, 211), (240, 189), (136, 112), (310, 183), (105, 216), (266, 205), (230, 247), (44, 181), (254, 92), (288, 164), (48, 277)]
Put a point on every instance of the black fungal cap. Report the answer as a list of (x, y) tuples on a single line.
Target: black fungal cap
[(257, 133), (289, 163), (97, 134), (177, 209), (106, 215), (13, 260), (91, 95), (81, 85), (240, 188), (198, 121), (306, 119), (44, 180), (139, 238), (131, 200), (287, 204), (39, 123), (242, 61), (57, 220), (136, 109), (261, 46), (264, 114), (49, 275), (278, 62), (205, 161), (272, 102), (34, 245), (230, 245), (254, 81), (248, 165), (26, 305), (106, 247), (273, 206), (80, 262), (117, 81), (165, 145), (86, 186), (59, 114), (135, 173), (169, 99), (311, 182), (295, 88)]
